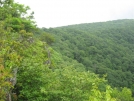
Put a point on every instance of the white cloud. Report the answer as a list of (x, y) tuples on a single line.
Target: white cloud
[(52, 13)]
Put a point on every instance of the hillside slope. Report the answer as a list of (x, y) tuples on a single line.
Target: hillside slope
[(30, 70), (104, 48)]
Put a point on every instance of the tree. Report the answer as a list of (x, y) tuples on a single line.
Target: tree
[(13, 19), (48, 38)]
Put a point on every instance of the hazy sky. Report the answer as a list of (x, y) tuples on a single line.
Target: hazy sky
[(53, 13)]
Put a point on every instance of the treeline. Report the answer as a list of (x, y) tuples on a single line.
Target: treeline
[(30, 70), (104, 48)]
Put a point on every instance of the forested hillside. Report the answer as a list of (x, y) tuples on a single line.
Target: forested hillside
[(104, 48), (32, 70)]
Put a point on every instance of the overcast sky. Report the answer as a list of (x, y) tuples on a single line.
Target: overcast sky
[(54, 13)]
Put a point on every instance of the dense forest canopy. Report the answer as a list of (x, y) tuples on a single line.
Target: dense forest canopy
[(33, 69), (104, 48)]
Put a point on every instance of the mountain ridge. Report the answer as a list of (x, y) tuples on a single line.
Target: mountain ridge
[(103, 47)]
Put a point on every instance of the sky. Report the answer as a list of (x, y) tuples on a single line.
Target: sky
[(55, 13)]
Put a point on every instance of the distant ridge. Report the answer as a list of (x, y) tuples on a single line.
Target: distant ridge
[(96, 22), (102, 47)]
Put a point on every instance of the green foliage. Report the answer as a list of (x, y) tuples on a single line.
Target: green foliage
[(48, 38), (124, 95), (5, 85), (8, 60), (16, 16), (104, 48), (96, 95), (18, 24), (43, 74), (12, 43)]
